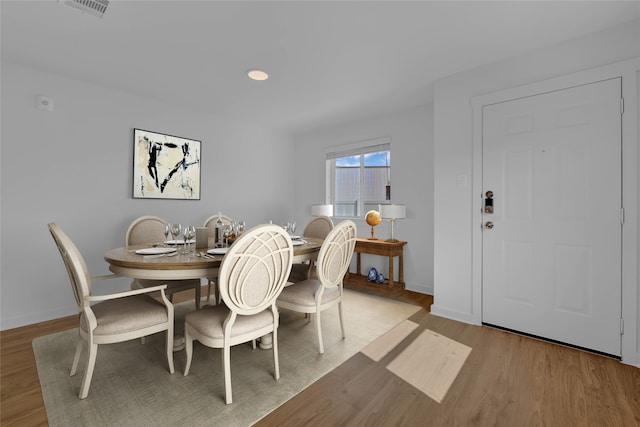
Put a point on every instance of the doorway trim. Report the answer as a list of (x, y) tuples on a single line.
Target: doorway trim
[(628, 72)]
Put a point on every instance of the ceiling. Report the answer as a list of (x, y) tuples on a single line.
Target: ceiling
[(329, 62)]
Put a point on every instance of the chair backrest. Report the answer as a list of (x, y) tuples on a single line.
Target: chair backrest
[(210, 223), (335, 253), (255, 269), (319, 227), (76, 267), (145, 229)]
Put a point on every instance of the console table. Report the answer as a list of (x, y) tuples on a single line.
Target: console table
[(382, 248)]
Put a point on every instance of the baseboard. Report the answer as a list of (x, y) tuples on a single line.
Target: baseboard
[(452, 314), (419, 287), (30, 319), (634, 360)]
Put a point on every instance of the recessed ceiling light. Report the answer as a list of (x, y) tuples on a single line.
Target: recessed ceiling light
[(257, 75)]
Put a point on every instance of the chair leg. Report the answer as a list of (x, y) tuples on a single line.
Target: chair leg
[(88, 373), (188, 346), (319, 330), (76, 357), (198, 296), (226, 361), (276, 361), (209, 290), (341, 317), (170, 349)]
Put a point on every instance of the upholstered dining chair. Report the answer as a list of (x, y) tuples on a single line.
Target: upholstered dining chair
[(318, 227), (112, 318), (210, 223), (150, 229), (313, 296), (252, 274)]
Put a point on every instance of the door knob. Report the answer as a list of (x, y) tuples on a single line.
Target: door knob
[(488, 225)]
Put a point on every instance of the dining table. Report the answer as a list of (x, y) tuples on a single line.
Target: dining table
[(126, 261)]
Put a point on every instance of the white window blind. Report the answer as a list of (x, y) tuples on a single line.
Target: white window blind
[(359, 176)]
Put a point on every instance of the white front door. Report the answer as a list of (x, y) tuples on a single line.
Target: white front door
[(552, 261)]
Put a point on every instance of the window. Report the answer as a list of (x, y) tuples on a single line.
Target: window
[(359, 178)]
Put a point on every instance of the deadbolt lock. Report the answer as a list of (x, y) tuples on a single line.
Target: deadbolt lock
[(488, 202)]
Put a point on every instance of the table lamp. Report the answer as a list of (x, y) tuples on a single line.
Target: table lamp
[(321, 210), (393, 212)]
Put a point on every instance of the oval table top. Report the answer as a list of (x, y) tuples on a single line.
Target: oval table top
[(126, 262)]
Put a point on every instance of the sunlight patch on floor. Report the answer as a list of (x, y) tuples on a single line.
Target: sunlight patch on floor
[(431, 363)]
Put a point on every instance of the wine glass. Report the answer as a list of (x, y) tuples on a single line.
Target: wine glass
[(189, 233), (226, 233), (292, 227), (176, 230), (241, 227), (166, 232)]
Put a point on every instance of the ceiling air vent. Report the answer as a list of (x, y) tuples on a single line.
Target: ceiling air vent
[(92, 7)]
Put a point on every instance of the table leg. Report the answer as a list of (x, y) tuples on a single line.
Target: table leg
[(266, 342), (359, 263), (401, 269), (178, 342), (390, 270)]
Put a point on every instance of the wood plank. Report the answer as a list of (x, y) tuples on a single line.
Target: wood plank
[(446, 357), (507, 380), (387, 342)]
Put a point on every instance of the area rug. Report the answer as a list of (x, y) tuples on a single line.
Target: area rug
[(132, 386)]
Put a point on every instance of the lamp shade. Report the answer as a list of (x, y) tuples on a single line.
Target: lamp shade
[(393, 211), (322, 210)]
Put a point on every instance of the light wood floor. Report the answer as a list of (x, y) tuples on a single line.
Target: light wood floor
[(508, 380)]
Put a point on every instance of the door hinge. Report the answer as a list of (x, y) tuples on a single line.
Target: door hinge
[(621, 326), (621, 106), (622, 216)]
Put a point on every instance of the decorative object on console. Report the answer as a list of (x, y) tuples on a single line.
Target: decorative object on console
[(165, 166), (393, 212), (373, 218), (322, 210), (374, 276)]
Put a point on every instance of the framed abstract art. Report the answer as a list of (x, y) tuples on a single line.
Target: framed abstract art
[(165, 166)]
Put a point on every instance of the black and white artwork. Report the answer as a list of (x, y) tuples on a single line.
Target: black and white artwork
[(165, 166)]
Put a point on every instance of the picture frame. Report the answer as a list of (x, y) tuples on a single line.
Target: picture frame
[(165, 166)]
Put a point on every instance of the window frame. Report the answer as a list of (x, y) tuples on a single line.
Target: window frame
[(357, 149)]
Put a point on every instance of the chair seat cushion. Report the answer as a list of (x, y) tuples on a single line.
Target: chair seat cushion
[(121, 315), (209, 321), (304, 293)]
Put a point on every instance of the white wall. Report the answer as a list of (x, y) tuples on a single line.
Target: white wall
[(73, 166), (411, 134), (454, 293)]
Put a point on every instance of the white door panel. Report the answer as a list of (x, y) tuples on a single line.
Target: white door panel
[(552, 261)]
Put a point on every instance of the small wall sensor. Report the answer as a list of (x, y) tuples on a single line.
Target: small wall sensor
[(44, 103)]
